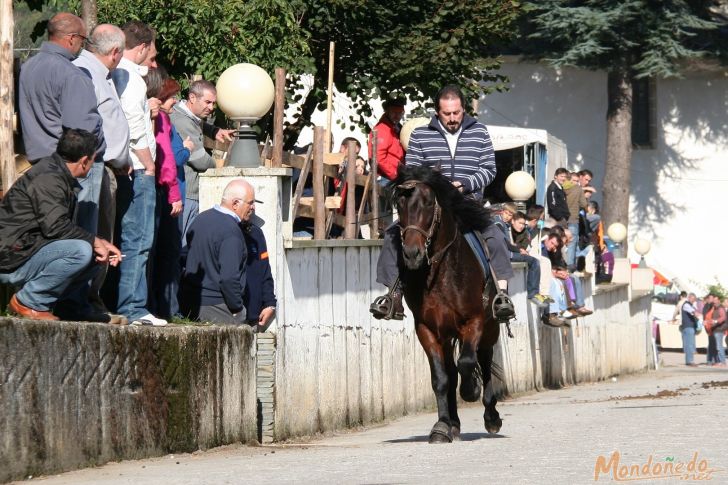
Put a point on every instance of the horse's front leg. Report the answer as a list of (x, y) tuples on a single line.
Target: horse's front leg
[(441, 432), (470, 380), (491, 418)]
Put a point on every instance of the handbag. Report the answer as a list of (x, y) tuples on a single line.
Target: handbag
[(699, 327)]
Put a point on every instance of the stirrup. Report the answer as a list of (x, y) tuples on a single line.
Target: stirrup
[(387, 307), (502, 306)]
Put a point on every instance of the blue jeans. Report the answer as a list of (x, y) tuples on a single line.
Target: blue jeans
[(688, 335), (719, 338), (137, 198), (533, 275), (87, 212), (189, 212), (165, 263), (557, 292), (58, 268), (571, 247)]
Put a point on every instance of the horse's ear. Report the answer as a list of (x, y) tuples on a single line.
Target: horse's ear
[(438, 166)]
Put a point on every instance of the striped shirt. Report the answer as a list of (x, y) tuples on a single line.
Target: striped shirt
[(474, 162)]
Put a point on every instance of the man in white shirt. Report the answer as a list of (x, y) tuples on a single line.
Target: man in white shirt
[(103, 53), (136, 191)]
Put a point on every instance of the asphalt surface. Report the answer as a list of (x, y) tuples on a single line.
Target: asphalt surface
[(652, 420)]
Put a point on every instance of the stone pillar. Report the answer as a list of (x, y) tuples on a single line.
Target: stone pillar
[(265, 384), (272, 187)]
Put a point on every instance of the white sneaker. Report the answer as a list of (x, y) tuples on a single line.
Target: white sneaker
[(150, 319), (567, 314)]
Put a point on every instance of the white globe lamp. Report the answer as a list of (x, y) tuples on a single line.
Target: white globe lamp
[(408, 128), (520, 186), (245, 93), (642, 247), (617, 232)]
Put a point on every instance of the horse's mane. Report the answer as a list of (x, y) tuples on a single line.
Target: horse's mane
[(469, 215)]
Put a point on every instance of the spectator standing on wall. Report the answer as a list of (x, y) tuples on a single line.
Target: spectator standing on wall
[(576, 203), (188, 117), (558, 209)]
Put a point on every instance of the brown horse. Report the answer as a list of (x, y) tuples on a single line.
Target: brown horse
[(445, 289)]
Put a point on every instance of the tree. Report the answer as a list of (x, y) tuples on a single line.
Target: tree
[(631, 39), (382, 48)]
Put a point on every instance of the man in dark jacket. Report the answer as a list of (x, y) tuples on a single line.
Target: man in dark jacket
[(558, 209), (42, 250), (259, 297), (215, 271)]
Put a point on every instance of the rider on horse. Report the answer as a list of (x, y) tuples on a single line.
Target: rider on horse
[(461, 148)]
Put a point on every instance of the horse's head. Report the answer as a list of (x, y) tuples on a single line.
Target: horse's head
[(419, 216)]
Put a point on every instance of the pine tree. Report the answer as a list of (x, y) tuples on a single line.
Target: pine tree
[(629, 39)]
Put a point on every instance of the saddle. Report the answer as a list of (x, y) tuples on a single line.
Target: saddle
[(502, 306)]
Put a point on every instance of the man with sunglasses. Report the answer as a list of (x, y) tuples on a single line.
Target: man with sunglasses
[(53, 93)]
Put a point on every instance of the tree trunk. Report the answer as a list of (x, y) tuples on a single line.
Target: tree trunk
[(89, 13), (7, 151), (615, 202)]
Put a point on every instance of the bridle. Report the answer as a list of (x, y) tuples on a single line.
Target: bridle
[(430, 233)]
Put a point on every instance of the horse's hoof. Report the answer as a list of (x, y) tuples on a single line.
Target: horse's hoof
[(455, 431), (493, 426), (440, 433)]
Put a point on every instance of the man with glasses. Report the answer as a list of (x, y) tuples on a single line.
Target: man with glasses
[(215, 271), (188, 119), (53, 93)]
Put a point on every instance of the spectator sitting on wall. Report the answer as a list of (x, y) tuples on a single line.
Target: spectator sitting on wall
[(215, 271), (535, 221), (519, 231), (42, 250), (603, 258), (556, 199), (558, 309), (520, 255)]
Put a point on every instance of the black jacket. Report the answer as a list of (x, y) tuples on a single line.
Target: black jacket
[(259, 288), (556, 200), (38, 209)]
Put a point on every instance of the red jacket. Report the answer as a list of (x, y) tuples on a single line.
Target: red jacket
[(389, 150)]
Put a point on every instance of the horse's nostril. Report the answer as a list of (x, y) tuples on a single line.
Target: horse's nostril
[(411, 252)]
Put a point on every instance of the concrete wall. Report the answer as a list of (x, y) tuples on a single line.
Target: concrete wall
[(75, 395), (672, 183), (338, 367)]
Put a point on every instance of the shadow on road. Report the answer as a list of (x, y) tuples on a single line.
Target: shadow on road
[(463, 437)]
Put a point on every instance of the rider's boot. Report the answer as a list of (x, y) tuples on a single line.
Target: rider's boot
[(389, 306)]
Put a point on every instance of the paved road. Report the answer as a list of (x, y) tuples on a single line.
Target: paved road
[(549, 437)]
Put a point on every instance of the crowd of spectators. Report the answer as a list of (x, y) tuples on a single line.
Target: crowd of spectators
[(708, 314), (98, 228)]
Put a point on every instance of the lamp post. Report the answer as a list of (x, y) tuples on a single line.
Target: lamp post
[(642, 247), (520, 186), (245, 93), (617, 232)]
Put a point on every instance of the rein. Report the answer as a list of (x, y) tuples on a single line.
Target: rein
[(430, 233)]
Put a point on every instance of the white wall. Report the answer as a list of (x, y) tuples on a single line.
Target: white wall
[(674, 186)]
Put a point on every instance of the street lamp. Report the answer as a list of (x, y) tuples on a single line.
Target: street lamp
[(245, 93), (520, 186), (642, 246), (617, 232), (409, 127)]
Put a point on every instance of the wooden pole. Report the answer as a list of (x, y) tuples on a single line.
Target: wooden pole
[(7, 112), (350, 231), (280, 106), (329, 100), (374, 223), (319, 214)]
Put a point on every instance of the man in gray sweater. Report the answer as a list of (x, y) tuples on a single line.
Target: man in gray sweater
[(187, 118)]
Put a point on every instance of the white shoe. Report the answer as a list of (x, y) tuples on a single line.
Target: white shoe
[(150, 319), (567, 314)]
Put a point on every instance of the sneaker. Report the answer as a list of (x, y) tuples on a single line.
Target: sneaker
[(569, 315), (539, 301), (150, 320)]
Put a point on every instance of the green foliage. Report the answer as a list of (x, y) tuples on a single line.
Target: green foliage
[(645, 37), (719, 290), (206, 37)]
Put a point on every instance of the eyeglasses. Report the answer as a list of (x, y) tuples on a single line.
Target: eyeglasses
[(76, 34)]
